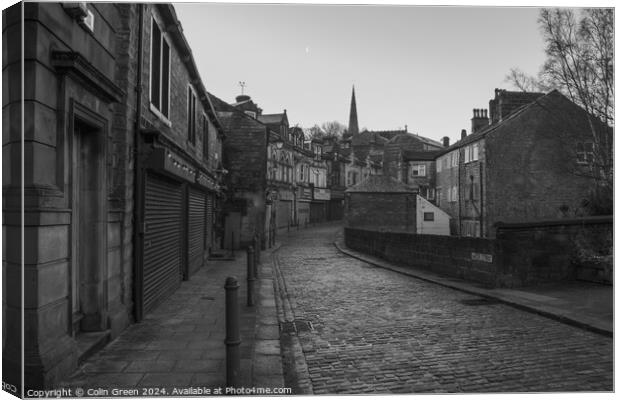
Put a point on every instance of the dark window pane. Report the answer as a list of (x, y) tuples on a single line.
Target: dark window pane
[(155, 64), (165, 81), (429, 216)]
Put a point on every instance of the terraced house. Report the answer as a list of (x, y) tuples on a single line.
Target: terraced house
[(122, 168), (522, 162)]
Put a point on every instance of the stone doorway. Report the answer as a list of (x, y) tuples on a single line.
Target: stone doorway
[(88, 228)]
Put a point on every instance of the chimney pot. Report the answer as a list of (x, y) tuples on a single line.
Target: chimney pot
[(446, 141), (463, 133)]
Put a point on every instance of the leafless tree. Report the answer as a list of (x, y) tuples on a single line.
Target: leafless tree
[(333, 128), (314, 132), (580, 64), (523, 81)]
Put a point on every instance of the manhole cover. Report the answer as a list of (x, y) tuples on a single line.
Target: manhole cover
[(298, 325), (483, 301)]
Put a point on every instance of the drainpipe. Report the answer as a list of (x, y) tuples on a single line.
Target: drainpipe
[(481, 203), (138, 229), (458, 189)]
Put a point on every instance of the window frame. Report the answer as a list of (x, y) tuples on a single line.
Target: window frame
[(584, 154), (205, 137), (420, 170), (157, 109), (191, 114)]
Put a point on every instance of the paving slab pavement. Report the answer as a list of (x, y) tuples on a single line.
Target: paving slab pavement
[(582, 304), (181, 343)]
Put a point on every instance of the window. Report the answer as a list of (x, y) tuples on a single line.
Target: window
[(585, 152), (160, 70), (429, 216), (418, 170), (191, 115), (471, 152), (205, 137), (452, 194), (455, 159), (439, 160)]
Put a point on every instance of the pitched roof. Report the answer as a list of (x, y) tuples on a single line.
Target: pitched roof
[(412, 155), (380, 184), (271, 119), (407, 137), (367, 137), (543, 101)]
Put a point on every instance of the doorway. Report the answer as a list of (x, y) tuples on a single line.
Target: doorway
[(88, 228)]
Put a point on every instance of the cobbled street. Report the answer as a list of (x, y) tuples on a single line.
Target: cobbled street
[(379, 331)]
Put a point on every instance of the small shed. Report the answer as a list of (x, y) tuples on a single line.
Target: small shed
[(380, 202)]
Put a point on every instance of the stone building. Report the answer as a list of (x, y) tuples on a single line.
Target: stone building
[(527, 165), (179, 167), (121, 158), (245, 155), (380, 203), (336, 176), (379, 152), (302, 187), (321, 194)]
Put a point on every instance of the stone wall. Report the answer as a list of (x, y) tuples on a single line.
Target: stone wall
[(522, 254), (555, 250), (466, 258), (381, 211)]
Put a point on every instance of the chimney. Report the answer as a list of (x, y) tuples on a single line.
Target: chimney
[(480, 120), (463, 134), (446, 141)]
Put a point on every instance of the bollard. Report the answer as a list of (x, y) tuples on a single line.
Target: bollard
[(233, 340), (256, 253), (232, 244), (251, 275)]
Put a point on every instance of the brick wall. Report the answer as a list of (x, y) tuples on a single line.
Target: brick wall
[(448, 255), (388, 211)]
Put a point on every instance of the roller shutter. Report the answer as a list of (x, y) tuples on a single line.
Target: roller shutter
[(195, 229), (283, 213), (210, 221), (162, 240)]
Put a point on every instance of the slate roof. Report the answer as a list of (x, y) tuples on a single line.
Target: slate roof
[(271, 119), (380, 184), (407, 136), (367, 137), (553, 97), (232, 118), (412, 155)]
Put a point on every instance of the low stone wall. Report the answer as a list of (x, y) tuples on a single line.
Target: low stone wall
[(543, 251), (462, 257), (522, 254)]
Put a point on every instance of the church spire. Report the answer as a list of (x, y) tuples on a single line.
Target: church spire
[(353, 127)]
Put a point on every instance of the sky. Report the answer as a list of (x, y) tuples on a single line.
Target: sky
[(424, 67)]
